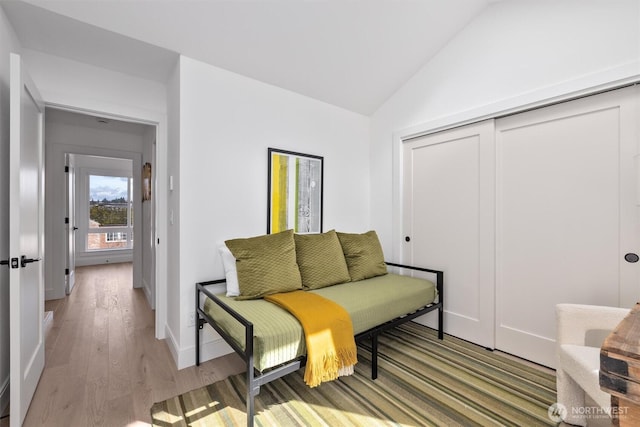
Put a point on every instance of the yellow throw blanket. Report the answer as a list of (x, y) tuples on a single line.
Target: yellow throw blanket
[(331, 347)]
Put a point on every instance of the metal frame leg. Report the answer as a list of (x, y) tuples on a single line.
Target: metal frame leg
[(374, 356)]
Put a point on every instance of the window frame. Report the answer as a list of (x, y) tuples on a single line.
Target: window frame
[(83, 210)]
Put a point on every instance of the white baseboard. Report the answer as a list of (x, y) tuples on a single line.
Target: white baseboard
[(212, 347), (103, 258), (172, 344), (48, 322), (209, 350), (53, 294), (4, 396), (147, 292)]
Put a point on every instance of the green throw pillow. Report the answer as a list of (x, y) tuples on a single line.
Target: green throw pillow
[(320, 260), (266, 264), (363, 254)]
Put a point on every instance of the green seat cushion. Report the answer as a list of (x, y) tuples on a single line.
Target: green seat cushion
[(278, 336), (266, 264), (363, 254), (320, 260)]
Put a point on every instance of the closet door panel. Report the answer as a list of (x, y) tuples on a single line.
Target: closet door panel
[(448, 216), (563, 202)]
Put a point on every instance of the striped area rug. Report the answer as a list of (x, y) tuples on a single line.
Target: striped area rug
[(421, 382)]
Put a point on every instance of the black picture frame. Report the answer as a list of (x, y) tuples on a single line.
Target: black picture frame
[(295, 192)]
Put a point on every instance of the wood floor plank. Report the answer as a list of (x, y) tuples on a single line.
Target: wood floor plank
[(95, 407), (60, 393), (120, 410), (119, 374)]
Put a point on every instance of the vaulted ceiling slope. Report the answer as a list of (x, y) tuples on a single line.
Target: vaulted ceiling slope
[(350, 53)]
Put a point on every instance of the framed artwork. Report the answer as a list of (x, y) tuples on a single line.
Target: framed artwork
[(295, 192), (146, 181)]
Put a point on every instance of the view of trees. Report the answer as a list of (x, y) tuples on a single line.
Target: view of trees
[(109, 212)]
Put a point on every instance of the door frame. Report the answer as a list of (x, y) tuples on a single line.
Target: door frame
[(85, 166), (159, 187), (71, 222)]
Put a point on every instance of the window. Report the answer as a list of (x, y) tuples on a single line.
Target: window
[(116, 237), (110, 212)]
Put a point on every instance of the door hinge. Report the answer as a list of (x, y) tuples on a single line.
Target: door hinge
[(66, 220), (66, 169), (66, 271)]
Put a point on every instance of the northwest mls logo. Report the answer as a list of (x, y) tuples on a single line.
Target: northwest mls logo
[(557, 412)]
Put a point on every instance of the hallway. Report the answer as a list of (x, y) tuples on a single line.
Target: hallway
[(103, 365)]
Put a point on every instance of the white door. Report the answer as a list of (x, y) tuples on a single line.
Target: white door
[(26, 240), (448, 222), (566, 216), (71, 223)]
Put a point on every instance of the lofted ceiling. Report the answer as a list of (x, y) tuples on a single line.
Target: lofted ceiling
[(350, 53)]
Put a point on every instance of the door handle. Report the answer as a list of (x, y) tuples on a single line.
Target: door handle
[(24, 260), (13, 261), (74, 228)]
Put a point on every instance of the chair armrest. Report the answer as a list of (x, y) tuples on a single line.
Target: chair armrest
[(574, 320)]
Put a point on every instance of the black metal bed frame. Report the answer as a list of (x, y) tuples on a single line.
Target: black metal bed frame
[(256, 379)]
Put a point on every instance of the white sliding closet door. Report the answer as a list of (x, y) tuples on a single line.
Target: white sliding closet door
[(566, 216), (448, 222)]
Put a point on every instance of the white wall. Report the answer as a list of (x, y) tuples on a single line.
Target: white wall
[(516, 53), (70, 83), (8, 43), (227, 122)]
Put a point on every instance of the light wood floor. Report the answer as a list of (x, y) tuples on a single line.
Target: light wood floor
[(103, 365)]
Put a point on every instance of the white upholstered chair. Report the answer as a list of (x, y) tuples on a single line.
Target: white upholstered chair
[(581, 329)]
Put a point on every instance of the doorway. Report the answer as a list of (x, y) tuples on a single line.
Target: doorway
[(99, 218), (94, 167)]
